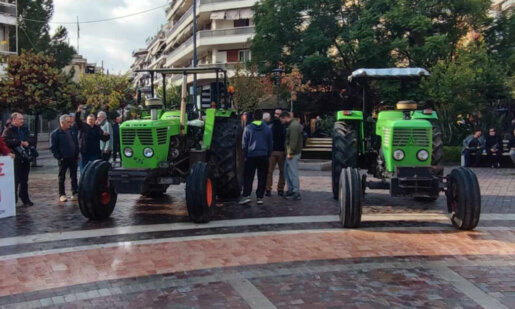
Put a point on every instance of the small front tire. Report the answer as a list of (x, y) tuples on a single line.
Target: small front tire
[(463, 198), (200, 193), (350, 197), (97, 196)]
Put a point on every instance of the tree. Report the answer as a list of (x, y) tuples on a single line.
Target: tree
[(173, 96), (34, 31), (469, 84), (500, 40), (328, 39), (249, 88), (106, 92)]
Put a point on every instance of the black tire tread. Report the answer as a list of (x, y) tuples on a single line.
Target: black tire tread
[(469, 198), (344, 152), (198, 210)]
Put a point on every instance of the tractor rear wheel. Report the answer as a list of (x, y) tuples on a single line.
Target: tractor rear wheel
[(345, 152), (350, 197), (463, 198), (437, 155), (97, 196), (226, 158), (200, 193)]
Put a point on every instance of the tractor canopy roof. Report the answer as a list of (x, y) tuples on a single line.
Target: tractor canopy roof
[(390, 74), (185, 71)]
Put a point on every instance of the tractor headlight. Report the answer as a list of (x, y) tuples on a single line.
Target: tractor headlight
[(148, 152), (128, 152), (398, 155), (423, 155)]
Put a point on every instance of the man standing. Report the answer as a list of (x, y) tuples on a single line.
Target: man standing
[(473, 146), (278, 156), (293, 151), (116, 138), (257, 147), (90, 136), (494, 148), (16, 137), (105, 146), (65, 148)]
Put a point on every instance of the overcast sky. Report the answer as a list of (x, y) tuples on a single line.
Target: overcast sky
[(112, 41)]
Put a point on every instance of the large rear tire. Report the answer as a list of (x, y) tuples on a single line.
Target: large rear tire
[(350, 197), (345, 152), (226, 158), (437, 154), (97, 196), (463, 198), (200, 193)]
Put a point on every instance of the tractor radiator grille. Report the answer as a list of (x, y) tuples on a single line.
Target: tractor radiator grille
[(144, 136), (411, 137), (161, 135)]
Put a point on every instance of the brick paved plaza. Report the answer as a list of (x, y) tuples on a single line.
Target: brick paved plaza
[(280, 255)]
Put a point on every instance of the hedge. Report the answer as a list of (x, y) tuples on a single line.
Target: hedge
[(452, 154)]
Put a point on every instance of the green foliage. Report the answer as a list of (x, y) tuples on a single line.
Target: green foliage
[(31, 83), (329, 39), (500, 40), (106, 92), (173, 96), (452, 154), (34, 35), (249, 89), (469, 84)]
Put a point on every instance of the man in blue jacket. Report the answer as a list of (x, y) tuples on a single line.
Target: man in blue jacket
[(257, 147), (65, 148)]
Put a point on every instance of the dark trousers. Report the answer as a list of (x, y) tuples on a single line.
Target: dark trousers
[(472, 157), (116, 152), (21, 178), (64, 165), (106, 156), (494, 158), (251, 165)]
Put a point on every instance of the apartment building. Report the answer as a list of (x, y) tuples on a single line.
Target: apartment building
[(224, 29), (7, 30)]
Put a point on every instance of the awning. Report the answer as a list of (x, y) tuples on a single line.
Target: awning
[(218, 15), (392, 73), (232, 14), (246, 13)]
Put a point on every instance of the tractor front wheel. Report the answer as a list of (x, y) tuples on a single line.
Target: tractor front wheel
[(350, 197), (97, 196), (345, 152), (200, 193), (463, 198)]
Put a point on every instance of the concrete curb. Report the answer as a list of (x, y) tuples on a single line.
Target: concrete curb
[(314, 165)]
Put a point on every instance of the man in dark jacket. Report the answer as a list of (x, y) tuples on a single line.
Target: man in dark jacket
[(16, 137), (257, 147), (278, 156), (90, 136), (494, 148), (65, 148), (473, 146)]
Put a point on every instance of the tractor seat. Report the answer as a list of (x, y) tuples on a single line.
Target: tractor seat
[(407, 105), (154, 103)]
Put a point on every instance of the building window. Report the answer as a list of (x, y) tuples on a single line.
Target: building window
[(241, 23), (244, 55)]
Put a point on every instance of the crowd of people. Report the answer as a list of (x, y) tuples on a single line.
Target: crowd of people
[(267, 143), (492, 145)]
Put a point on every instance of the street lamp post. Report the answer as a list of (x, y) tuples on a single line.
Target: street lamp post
[(195, 52), (277, 73)]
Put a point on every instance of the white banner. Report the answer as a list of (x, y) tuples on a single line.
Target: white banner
[(7, 197)]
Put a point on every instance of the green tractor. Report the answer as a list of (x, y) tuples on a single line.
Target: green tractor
[(402, 149), (201, 148)]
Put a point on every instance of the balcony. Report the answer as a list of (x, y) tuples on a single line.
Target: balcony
[(8, 7), (181, 20), (211, 37), (510, 4)]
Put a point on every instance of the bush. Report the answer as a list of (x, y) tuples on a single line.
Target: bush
[(452, 154)]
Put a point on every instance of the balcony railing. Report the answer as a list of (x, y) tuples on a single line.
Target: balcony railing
[(226, 32), (211, 34), (181, 20), (8, 7), (508, 5)]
